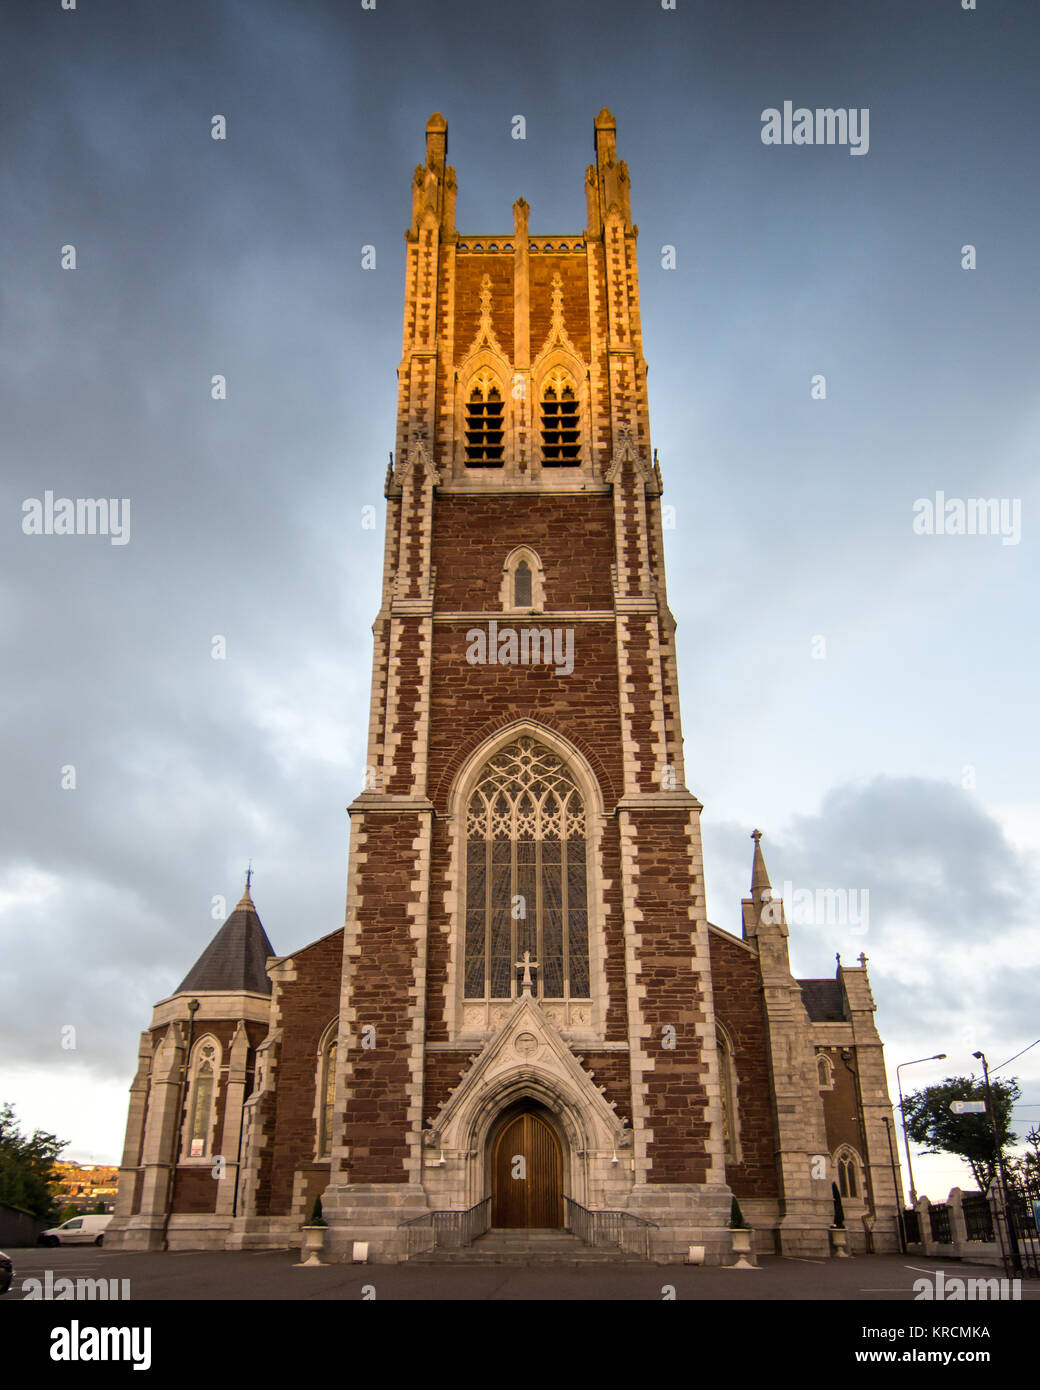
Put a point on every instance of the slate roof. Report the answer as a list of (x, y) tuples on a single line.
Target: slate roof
[(236, 958), (823, 1000)]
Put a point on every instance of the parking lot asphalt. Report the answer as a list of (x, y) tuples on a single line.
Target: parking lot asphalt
[(277, 1275)]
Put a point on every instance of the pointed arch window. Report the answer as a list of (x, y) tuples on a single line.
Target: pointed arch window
[(526, 877), (522, 585), (205, 1063), (824, 1072), (523, 582), (485, 423), (327, 1094), (561, 436), (848, 1173), (728, 1088)]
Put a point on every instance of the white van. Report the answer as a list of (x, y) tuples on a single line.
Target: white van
[(80, 1230)]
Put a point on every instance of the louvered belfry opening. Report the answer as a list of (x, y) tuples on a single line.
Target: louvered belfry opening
[(485, 424), (561, 443)]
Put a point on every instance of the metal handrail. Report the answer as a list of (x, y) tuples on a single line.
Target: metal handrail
[(607, 1226), (447, 1230)]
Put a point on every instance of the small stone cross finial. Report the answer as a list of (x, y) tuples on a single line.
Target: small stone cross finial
[(863, 960), (756, 835), (528, 965)]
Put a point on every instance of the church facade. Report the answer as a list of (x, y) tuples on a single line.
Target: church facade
[(527, 1015)]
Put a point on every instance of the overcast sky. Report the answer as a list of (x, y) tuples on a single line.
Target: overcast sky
[(896, 756)]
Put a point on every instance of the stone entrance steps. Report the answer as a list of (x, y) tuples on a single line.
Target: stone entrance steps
[(528, 1247)]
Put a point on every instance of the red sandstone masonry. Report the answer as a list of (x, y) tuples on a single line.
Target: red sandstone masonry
[(409, 690), (382, 990), (470, 269), (573, 536), (740, 1008), (307, 1005), (582, 705), (573, 273), (676, 1095)]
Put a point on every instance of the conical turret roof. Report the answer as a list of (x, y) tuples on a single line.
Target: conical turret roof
[(236, 958)]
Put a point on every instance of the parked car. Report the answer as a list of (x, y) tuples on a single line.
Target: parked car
[(80, 1230), (6, 1272)]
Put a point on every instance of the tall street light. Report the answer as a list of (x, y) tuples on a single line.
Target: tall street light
[(939, 1057), (1009, 1216)]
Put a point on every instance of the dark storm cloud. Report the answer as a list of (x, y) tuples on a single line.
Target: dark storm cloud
[(949, 907)]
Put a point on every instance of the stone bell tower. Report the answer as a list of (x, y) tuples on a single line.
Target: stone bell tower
[(526, 957)]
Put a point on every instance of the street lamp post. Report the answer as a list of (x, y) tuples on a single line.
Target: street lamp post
[(939, 1057), (1016, 1255)]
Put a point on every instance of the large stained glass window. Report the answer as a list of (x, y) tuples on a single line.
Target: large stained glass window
[(202, 1101), (526, 878)]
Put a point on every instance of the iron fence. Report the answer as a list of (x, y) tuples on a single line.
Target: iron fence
[(978, 1219), (912, 1226), (939, 1215), (1017, 1220)]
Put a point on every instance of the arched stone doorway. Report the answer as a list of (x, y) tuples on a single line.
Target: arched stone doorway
[(526, 1170)]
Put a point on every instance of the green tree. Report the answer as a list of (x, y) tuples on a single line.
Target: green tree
[(27, 1166), (931, 1123)]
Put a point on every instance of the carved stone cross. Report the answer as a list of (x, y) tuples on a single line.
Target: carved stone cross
[(528, 965)]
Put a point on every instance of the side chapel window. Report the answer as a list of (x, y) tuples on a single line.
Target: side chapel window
[(202, 1101), (526, 878), (328, 1096), (729, 1099)]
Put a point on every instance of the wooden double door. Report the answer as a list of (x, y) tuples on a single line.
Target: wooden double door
[(527, 1174)]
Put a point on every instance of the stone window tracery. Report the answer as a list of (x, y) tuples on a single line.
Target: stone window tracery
[(327, 1094), (203, 1087), (848, 1174), (526, 877)]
